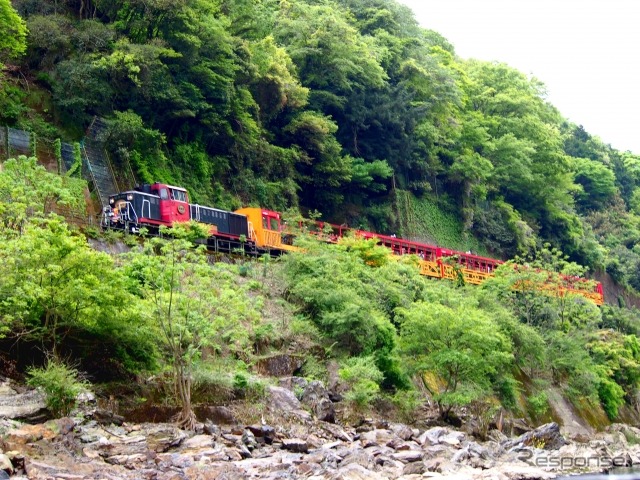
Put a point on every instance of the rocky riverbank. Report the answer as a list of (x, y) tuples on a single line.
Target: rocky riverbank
[(95, 444)]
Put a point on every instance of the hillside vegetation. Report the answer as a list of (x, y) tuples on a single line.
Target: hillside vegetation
[(344, 107), (323, 105), (203, 327)]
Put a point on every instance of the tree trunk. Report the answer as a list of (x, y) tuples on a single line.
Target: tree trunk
[(186, 419)]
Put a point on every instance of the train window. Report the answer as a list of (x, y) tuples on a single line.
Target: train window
[(265, 225), (179, 195), (164, 194), (274, 224)]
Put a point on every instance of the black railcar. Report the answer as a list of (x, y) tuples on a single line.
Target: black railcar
[(227, 223)]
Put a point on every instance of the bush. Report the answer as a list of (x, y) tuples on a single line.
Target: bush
[(407, 403), (611, 397), (212, 384), (539, 404), (363, 378), (248, 387), (61, 385)]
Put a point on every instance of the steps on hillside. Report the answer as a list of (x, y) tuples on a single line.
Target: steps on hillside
[(98, 164)]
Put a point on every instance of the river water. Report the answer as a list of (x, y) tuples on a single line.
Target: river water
[(617, 474)]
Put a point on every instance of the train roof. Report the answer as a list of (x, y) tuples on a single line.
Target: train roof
[(136, 192)]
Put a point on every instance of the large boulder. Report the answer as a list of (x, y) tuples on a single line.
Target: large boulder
[(28, 406), (316, 396), (283, 401), (547, 437), (218, 415), (281, 365)]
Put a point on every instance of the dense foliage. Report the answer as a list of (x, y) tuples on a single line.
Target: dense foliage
[(348, 107), (201, 325), (467, 344)]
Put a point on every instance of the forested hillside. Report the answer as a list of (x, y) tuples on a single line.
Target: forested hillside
[(337, 106), (348, 108)]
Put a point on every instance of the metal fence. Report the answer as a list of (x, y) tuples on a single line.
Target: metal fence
[(14, 142), (67, 156)]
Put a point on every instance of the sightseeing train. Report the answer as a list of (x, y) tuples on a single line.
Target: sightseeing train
[(257, 231)]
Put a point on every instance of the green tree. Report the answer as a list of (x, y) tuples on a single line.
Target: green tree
[(349, 291), (539, 291), (190, 303), (363, 378), (597, 182), (61, 385), (618, 357), (322, 164), (28, 192), (13, 32), (55, 286), (462, 346)]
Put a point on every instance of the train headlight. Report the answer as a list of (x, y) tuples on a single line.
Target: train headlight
[(130, 197), (112, 201)]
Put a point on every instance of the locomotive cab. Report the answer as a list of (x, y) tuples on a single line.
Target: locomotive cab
[(174, 202)]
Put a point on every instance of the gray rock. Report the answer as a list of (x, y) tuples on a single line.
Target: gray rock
[(29, 406), (316, 396), (547, 437), (325, 410), (376, 437), (218, 415), (356, 472), (398, 444), (408, 456), (293, 383), (129, 461), (105, 417), (280, 365), (295, 445), (452, 438), (5, 463), (497, 436), (249, 439), (337, 432), (402, 431), (414, 468), (432, 436), (244, 451), (434, 464), (266, 433), (359, 457), (162, 437), (197, 442), (461, 455), (281, 400)]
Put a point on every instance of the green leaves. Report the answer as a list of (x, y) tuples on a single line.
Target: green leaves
[(61, 385), (192, 306), (28, 192), (13, 32), (597, 182), (461, 345)]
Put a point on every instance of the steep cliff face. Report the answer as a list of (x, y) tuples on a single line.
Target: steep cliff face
[(572, 421), (578, 419), (615, 293)]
